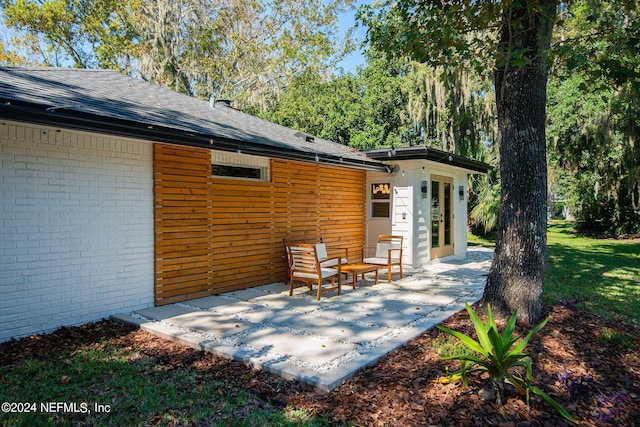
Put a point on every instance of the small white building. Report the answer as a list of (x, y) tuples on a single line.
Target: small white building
[(423, 198)]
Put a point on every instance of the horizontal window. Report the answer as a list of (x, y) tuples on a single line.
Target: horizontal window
[(240, 166), (236, 172)]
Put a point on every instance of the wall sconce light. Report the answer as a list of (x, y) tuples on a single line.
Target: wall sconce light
[(424, 189), (461, 192)]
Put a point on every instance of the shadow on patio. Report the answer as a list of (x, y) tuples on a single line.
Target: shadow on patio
[(321, 342)]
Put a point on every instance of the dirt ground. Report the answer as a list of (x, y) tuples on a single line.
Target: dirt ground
[(600, 387)]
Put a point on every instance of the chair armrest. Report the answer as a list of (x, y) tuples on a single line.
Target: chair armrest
[(389, 252), (346, 252)]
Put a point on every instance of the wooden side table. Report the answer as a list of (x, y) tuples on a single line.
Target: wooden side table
[(356, 269)]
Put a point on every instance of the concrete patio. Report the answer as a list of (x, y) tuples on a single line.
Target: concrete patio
[(325, 342)]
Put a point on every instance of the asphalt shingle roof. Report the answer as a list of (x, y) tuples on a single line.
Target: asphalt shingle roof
[(107, 94)]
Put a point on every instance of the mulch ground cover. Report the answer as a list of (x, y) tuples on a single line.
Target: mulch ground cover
[(596, 380)]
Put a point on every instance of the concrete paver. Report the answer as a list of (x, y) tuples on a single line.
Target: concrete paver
[(311, 349), (164, 312), (376, 302), (216, 325), (368, 316), (317, 324), (221, 305), (419, 297), (323, 342), (246, 294), (298, 302)]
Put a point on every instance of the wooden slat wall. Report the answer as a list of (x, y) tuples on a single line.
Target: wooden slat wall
[(182, 212), (342, 205), (215, 235)]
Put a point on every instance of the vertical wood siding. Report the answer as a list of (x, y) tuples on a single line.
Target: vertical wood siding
[(214, 235)]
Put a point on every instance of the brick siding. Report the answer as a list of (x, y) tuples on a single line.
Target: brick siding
[(76, 228)]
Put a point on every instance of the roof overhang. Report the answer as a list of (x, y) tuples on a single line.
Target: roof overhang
[(105, 125), (430, 154)]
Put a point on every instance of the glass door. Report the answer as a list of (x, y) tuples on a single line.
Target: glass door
[(441, 216)]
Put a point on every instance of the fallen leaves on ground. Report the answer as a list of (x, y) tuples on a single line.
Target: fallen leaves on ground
[(598, 383)]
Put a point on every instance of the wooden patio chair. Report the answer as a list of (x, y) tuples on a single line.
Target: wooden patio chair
[(305, 268), (321, 248), (388, 253)]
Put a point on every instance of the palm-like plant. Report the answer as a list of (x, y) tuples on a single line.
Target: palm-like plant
[(484, 195), (499, 355)]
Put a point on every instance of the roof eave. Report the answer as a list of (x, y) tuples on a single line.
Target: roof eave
[(73, 120), (430, 154)]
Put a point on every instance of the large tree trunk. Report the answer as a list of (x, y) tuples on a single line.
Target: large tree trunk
[(516, 277)]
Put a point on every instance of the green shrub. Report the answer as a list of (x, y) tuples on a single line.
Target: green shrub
[(499, 355)]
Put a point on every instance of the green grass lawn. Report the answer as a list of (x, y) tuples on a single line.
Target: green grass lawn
[(598, 275), (114, 386)]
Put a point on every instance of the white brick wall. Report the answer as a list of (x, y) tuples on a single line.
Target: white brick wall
[(76, 228)]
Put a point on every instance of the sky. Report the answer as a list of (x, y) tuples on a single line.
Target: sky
[(346, 21)]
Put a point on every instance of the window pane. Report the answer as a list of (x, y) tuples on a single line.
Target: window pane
[(435, 214), (380, 210), (447, 213), (236, 171)]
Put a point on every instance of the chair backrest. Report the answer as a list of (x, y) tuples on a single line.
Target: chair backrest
[(321, 251), (386, 242), (304, 259), (321, 247)]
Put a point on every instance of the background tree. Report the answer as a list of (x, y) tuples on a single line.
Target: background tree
[(594, 120), (364, 110), (452, 108), (595, 155), (77, 33), (9, 57), (220, 48), (324, 107), (389, 102)]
